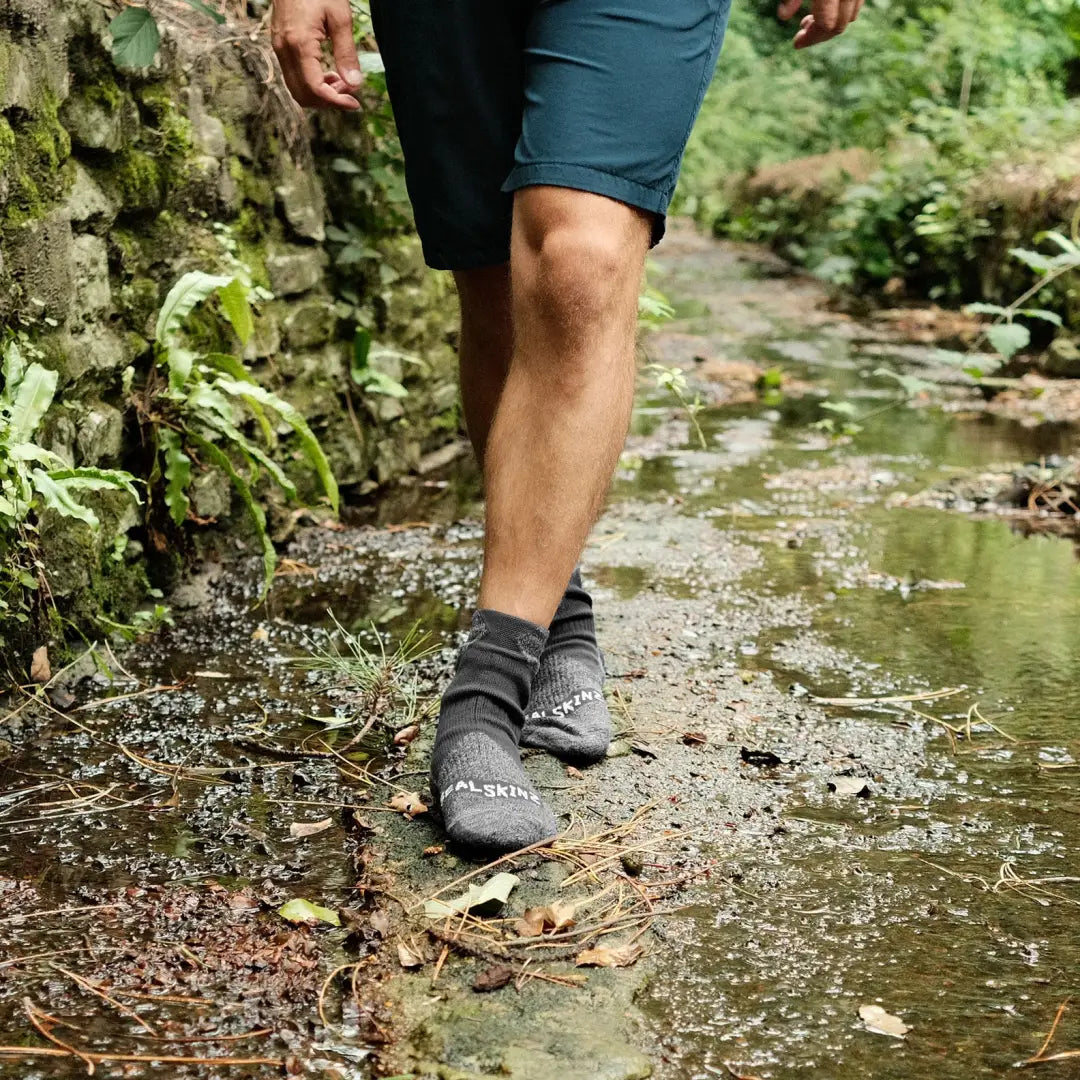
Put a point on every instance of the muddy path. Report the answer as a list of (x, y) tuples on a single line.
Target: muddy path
[(845, 774)]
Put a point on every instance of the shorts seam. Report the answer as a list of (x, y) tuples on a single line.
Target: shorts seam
[(706, 73)]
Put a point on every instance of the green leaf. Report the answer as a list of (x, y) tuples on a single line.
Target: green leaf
[(91, 478), (234, 302), (177, 475), (136, 38), (910, 384), (480, 899), (302, 911), (30, 401), (841, 408), (378, 382), (309, 444), (206, 10), (57, 497), (1034, 260), (192, 289), (255, 454), (13, 368), (218, 457), (1041, 313), (986, 309), (1008, 338), (360, 355)]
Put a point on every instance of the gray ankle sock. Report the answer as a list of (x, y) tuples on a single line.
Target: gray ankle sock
[(567, 714), (487, 802)]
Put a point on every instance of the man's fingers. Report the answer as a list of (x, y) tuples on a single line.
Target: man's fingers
[(339, 23), (826, 14), (788, 8), (812, 34), (320, 93)]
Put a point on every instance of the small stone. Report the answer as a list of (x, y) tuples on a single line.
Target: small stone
[(86, 202)]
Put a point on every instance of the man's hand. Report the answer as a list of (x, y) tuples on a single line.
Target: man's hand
[(299, 28), (829, 18)]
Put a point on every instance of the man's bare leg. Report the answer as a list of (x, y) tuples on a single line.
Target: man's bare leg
[(576, 265), (559, 426), (485, 346)]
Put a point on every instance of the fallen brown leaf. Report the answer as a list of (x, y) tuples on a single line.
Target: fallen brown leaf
[(495, 978), (309, 828), (40, 671), (538, 920), (409, 803), (601, 956), (695, 738), (406, 735), (574, 774), (408, 958), (260, 633), (380, 921)]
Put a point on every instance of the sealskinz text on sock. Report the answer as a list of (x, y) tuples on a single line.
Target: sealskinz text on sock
[(486, 801)]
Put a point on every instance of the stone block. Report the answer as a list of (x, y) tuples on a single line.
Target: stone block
[(295, 271), (86, 204), (310, 325), (93, 296), (301, 198), (96, 120), (100, 433), (40, 269)]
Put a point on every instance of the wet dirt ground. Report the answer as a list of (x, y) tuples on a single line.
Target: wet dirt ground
[(847, 723)]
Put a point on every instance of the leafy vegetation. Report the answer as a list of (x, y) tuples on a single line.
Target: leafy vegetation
[(943, 95), (197, 417), (34, 480)]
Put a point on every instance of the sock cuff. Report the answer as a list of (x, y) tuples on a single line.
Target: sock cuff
[(509, 631)]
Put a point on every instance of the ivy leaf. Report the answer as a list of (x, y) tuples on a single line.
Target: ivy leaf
[(1008, 338), (136, 38), (234, 302)]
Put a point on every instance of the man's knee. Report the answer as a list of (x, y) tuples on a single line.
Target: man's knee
[(578, 256)]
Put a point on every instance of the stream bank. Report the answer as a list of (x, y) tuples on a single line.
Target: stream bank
[(819, 827)]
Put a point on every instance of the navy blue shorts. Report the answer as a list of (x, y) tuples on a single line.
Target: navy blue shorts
[(494, 95)]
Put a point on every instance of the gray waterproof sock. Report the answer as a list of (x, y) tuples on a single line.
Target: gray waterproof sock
[(567, 714), (486, 800)]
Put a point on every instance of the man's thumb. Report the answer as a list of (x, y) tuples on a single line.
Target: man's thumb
[(341, 40)]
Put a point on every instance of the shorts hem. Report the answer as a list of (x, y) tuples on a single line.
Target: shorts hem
[(587, 178), (467, 260)]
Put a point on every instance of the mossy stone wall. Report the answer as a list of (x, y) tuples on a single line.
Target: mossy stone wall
[(112, 185)]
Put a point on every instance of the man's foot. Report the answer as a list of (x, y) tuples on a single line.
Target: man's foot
[(567, 714), (486, 800)]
